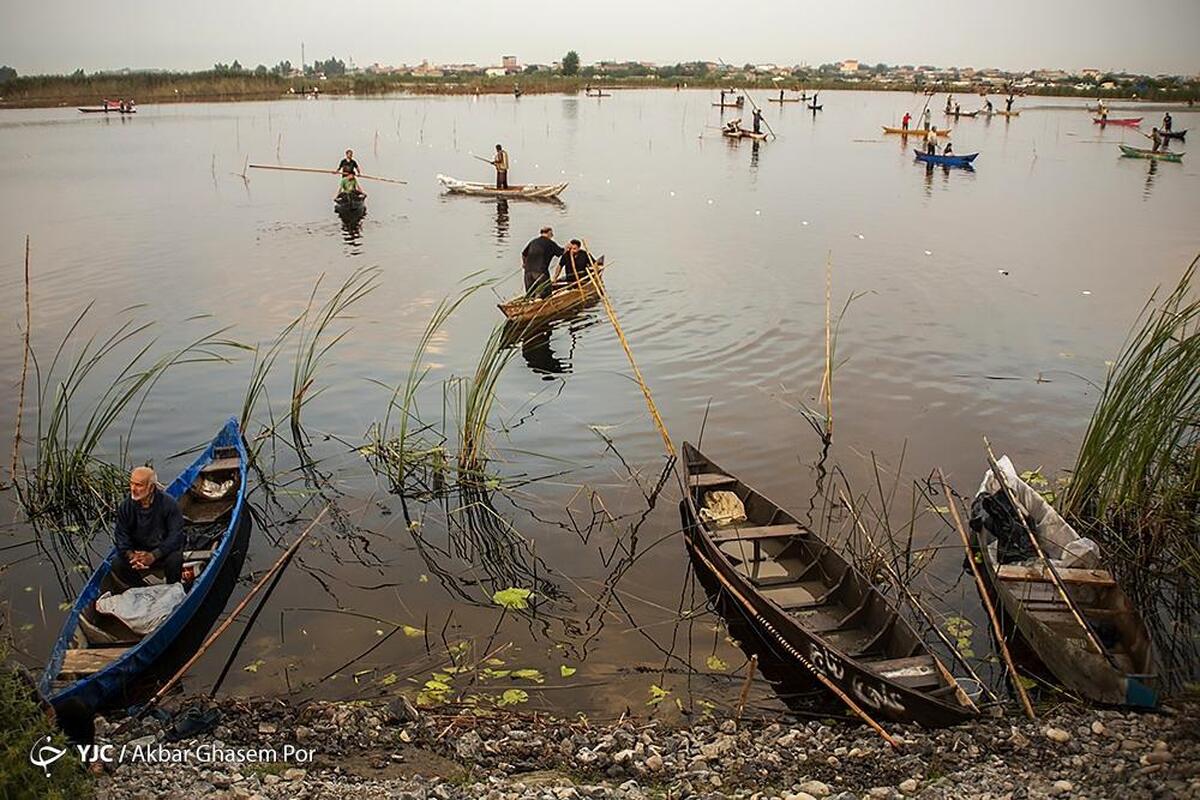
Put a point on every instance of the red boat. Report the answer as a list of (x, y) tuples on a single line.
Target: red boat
[(1131, 121)]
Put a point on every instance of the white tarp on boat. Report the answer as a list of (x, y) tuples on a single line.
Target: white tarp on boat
[(143, 608)]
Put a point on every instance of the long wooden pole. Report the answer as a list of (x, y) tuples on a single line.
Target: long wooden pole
[(24, 371), (212, 637), (826, 682), (283, 168), (908, 595), (763, 118), (952, 503), (1037, 546)]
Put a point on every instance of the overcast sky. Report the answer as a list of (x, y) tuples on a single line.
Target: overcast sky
[(1150, 36)]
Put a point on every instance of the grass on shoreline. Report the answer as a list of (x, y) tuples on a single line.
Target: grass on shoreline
[(173, 87)]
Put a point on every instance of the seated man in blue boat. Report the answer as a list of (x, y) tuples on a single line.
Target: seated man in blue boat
[(949, 149), (575, 262), (535, 262), (148, 532)]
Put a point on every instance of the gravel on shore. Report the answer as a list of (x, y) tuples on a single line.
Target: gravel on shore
[(362, 751)]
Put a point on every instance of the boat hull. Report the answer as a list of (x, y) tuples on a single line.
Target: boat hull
[(1160, 155), (917, 131), (531, 191), (1045, 623), (563, 301), (108, 687), (1130, 121), (807, 651), (946, 161)]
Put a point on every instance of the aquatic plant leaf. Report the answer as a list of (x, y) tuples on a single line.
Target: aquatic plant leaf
[(529, 675), (492, 674), (716, 663), (512, 697), (513, 599), (566, 671), (412, 632), (254, 665), (389, 679), (657, 694)]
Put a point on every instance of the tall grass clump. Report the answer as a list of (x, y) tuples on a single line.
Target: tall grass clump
[(1136, 480), (409, 453), (67, 480), (314, 342), (477, 395), (23, 726)]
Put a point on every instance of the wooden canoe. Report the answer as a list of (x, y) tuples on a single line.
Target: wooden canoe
[(742, 133), (917, 131), (566, 298), (785, 100), (809, 603), (1131, 121), (528, 191), (1180, 135), (961, 113), (350, 203), (811, 107), (1028, 594), (1160, 155), (96, 658)]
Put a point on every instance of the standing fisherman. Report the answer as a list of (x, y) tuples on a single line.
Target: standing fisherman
[(500, 162), (1008, 104), (348, 164), (1166, 124), (904, 122), (758, 120), (927, 118), (535, 262)]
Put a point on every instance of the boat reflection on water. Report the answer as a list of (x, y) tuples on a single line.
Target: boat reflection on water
[(1150, 173), (352, 223), (502, 219)]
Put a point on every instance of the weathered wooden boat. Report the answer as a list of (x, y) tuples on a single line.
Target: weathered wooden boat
[(742, 133), (1131, 121), (946, 161), (785, 99), (566, 297), (738, 104), (1125, 674), (1160, 155), (809, 603), (96, 656), (1180, 135), (962, 113), (350, 202), (917, 131), (528, 191), (106, 110), (598, 94)]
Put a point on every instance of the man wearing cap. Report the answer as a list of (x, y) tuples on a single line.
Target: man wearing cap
[(535, 260), (148, 531)]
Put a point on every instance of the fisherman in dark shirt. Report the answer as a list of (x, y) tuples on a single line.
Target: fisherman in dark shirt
[(757, 120), (575, 261), (1166, 125), (148, 532), (535, 259), (348, 164)]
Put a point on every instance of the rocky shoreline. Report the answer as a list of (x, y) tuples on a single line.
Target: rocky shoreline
[(372, 750)]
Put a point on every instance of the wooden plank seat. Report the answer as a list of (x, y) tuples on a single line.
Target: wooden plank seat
[(1035, 573), (704, 480), (221, 465), (736, 533), (914, 672), (87, 661), (797, 595)]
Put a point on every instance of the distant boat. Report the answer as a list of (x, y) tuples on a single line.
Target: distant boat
[(785, 99), (917, 131), (1160, 155), (1130, 121), (350, 202), (529, 191), (811, 107), (946, 161), (962, 113), (107, 110), (566, 298), (1180, 135), (742, 133)]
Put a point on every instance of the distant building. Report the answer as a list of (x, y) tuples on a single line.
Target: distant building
[(495, 72), (425, 70), (849, 66), (509, 64)]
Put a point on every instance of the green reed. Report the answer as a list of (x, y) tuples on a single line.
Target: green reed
[(1136, 480), (66, 479)]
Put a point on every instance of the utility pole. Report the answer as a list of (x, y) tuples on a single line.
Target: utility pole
[(302, 58)]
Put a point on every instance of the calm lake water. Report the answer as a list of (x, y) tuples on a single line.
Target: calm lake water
[(987, 302)]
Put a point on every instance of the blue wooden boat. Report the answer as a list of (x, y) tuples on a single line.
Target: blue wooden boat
[(96, 657), (946, 161)]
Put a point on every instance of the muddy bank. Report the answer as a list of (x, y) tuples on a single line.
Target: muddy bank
[(366, 751)]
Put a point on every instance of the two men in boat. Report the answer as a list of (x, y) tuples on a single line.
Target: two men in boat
[(500, 162), (148, 532), (535, 262)]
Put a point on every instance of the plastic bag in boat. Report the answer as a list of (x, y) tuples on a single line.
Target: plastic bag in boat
[(1082, 553), (143, 608), (722, 508)]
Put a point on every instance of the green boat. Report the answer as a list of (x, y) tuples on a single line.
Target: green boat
[(1161, 155)]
